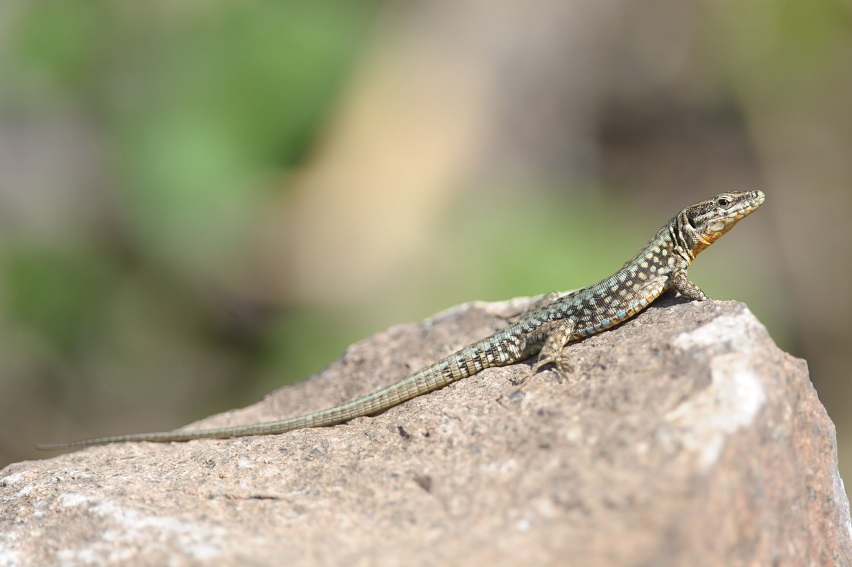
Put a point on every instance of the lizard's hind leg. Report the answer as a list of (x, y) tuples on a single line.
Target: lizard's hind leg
[(559, 334)]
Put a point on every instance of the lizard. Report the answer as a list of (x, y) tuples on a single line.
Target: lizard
[(661, 265)]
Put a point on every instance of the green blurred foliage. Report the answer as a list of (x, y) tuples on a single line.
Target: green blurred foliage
[(63, 40), (196, 107), (195, 112), (210, 107), (52, 293), (807, 31)]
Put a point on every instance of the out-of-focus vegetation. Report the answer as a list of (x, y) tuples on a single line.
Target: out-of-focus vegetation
[(202, 201), (141, 144)]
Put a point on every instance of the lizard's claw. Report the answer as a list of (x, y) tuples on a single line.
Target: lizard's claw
[(561, 366)]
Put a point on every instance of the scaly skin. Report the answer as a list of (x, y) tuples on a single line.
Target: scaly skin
[(659, 266)]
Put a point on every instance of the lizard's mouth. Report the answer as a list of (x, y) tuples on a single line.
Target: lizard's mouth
[(715, 228)]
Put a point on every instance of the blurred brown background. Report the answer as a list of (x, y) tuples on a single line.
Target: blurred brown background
[(203, 201)]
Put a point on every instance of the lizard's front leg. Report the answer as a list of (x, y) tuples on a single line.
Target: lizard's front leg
[(686, 288)]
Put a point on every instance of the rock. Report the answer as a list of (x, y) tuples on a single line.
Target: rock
[(682, 437)]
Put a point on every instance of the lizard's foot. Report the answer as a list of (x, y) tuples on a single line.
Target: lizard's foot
[(561, 366), (523, 380)]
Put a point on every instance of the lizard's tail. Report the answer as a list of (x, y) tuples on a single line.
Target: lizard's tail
[(431, 378)]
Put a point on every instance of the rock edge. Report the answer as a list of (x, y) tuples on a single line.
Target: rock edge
[(683, 437)]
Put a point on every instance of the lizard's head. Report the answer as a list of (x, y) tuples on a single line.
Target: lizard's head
[(704, 223)]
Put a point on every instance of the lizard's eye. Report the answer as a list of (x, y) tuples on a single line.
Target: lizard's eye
[(723, 202)]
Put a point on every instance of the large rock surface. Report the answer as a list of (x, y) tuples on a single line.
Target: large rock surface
[(683, 437)]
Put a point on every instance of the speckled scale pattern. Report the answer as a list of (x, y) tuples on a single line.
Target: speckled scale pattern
[(659, 266), (624, 294)]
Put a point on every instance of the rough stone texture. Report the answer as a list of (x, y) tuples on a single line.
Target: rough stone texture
[(683, 437)]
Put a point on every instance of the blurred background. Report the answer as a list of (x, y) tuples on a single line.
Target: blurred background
[(203, 201)]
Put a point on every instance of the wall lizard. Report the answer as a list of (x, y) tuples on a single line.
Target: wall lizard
[(658, 267)]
